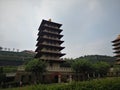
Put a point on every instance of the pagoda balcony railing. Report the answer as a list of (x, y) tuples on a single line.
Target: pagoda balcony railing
[(21, 68), (45, 50), (51, 44), (51, 38), (49, 68), (48, 57), (51, 50), (51, 26), (60, 69), (12, 74), (51, 32)]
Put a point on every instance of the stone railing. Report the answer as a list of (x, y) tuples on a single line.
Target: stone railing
[(10, 74), (21, 68), (61, 69)]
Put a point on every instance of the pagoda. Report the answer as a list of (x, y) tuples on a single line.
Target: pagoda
[(49, 42), (49, 50), (116, 44)]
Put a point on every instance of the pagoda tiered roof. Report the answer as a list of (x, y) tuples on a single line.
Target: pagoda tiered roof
[(117, 39), (49, 41), (116, 44)]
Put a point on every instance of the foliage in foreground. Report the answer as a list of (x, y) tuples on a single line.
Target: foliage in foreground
[(37, 67), (97, 84), (84, 67)]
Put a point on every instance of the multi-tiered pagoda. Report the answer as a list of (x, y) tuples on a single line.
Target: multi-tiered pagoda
[(116, 44), (49, 41), (49, 50)]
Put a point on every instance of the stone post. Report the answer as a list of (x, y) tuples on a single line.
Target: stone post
[(70, 78), (59, 78)]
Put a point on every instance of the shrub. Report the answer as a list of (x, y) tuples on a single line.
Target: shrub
[(97, 84)]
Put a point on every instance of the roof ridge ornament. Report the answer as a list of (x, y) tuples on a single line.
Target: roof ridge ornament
[(118, 36), (50, 20)]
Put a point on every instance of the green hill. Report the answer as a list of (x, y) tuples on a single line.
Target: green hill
[(8, 58), (97, 58), (91, 58)]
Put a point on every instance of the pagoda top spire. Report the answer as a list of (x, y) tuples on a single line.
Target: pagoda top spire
[(118, 36), (117, 39), (50, 20)]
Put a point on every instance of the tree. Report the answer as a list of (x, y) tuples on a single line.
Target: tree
[(2, 76), (82, 66), (101, 68), (37, 67), (1, 48), (67, 63)]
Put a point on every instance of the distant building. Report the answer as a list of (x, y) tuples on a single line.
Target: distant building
[(49, 49), (116, 44)]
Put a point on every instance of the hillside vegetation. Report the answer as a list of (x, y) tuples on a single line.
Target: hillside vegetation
[(14, 58), (98, 58)]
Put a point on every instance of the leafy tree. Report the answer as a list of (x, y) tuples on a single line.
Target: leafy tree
[(1, 48), (116, 69), (101, 68), (67, 63), (1, 69), (98, 58), (82, 66), (37, 67), (2, 76)]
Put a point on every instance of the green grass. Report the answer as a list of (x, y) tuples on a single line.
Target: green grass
[(97, 84)]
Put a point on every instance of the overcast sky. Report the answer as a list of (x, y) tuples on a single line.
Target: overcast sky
[(89, 26)]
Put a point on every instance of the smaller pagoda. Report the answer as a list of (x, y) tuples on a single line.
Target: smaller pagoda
[(116, 44)]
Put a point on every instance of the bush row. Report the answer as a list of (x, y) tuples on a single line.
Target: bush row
[(97, 84)]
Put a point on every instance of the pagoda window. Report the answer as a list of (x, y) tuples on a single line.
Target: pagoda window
[(51, 64), (45, 24), (51, 42)]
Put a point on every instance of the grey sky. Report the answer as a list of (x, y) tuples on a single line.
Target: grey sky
[(89, 26)]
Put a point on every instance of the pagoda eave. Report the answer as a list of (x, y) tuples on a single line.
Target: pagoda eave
[(58, 35), (49, 52), (48, 45), (116, 52), (116, 48), (49, 39), (116, 44), (115, 40), (47, 22), (118, 55), (48, 27)]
